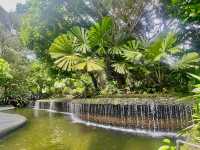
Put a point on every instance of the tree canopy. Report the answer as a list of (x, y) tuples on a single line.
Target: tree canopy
[(107, 46)]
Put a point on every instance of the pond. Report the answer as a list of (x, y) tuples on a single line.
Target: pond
[(53, 131)]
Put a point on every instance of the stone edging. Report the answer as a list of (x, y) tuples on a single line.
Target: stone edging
[(6, 108), (10, 122)]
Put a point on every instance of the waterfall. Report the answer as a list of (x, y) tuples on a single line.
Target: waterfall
[(36, 108), (122, 129), (150, 117), (37, 105), (52, 107)]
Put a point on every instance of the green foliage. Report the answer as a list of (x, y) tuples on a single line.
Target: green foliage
[(161, 47), (167, 145), (187, 61), (120, 68), (132, 51), (81, 40), (100, 35), (83, 50), (89, 65), (79, 86), (110, 89), (105, 41), (69, 52), (186, 10), (194, 131), (38, 79), (42, 22), (5, 72)]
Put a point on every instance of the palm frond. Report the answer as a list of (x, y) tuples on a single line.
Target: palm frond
[(117, 50), (132, 56), (195, 76), (61, 46), (188, 60), (67, 62), (81, 43), (168, 42), (89, 65), (162, 46), (131, 51), (120, 68), (154, 49), (100, 33)]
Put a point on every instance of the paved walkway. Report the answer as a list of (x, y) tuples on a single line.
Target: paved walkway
[(9, 122), (4, 108)]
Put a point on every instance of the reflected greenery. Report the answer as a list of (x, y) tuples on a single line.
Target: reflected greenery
[(57, 132)]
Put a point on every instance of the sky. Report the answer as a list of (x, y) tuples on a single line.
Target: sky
[(10, 5)]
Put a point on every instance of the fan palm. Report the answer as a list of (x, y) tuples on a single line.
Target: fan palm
[(101, 40), (81, 43), (158, 51), (72, 51), (163, 50), (161, 47), (100, 35), (63, 52), (188, 60), (89, 64), (130, 53)]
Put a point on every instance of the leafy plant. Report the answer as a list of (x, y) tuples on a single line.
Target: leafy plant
[(189, 60), (167, 145)]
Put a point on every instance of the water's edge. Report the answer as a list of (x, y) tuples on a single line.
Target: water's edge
[(146, 119), (10, 122), (138, 132)]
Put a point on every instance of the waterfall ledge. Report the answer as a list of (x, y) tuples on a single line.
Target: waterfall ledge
[(134, 115)]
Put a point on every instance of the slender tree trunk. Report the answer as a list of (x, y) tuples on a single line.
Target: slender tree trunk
[(159, 76), (108, 68), (5, 91), (95, 83)]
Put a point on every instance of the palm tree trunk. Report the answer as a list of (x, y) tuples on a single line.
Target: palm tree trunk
[(95, 83), (108, 68), (5, 91)]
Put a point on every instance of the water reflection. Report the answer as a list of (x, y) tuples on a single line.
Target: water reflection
[(50, 131)]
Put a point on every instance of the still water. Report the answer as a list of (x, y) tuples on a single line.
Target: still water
[(51, 131)]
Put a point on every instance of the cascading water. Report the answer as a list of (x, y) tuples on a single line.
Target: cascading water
[(37, 105), (52, 106), (155, 119)]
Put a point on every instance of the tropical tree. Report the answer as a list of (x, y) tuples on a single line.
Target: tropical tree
[(116, 49), (5, 71), (160, 60), (72, 52), (127, 59), (39, 81), (186, 10), (164, 55), (100, 37), (5, 75), (187, 15)]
